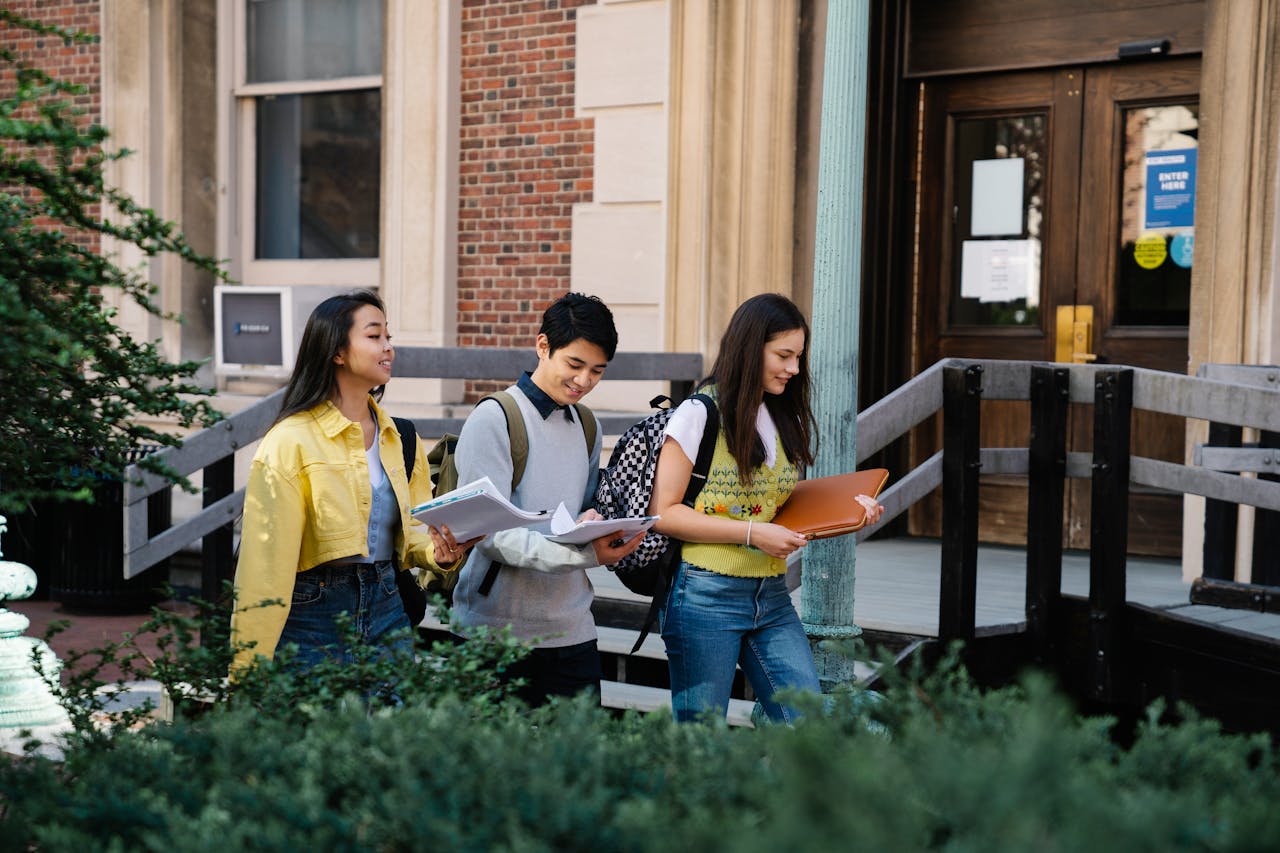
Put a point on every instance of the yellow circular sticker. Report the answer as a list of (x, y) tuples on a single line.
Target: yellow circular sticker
[(1150, 250)]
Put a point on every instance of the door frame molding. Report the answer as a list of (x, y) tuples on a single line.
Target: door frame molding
[(1235, 315)]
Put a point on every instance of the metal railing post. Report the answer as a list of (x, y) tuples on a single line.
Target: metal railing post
[(1220, 516), (216, 547), (1266, 528), (1046, 481), (826, 595), (1108, 524), (961, 427)]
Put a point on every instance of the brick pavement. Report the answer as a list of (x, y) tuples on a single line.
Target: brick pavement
[(85, 630)]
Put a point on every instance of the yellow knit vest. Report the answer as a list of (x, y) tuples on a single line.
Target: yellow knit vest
[(725, 497)]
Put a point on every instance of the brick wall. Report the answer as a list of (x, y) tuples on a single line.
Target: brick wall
[(525, 161), (74, 63)]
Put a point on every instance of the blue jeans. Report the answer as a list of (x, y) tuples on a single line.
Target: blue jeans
[(713, 622), (366, 592)]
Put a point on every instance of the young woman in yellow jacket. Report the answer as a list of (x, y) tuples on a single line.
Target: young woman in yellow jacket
[(326, 510)]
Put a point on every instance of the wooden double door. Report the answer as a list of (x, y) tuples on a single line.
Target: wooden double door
[(1056, 222)]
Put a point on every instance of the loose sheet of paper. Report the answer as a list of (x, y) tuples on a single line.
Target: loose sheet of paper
[(567, 531)]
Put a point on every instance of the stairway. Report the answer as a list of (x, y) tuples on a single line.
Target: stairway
[(638, 680)]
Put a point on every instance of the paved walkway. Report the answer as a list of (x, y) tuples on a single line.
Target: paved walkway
[(85, 630)]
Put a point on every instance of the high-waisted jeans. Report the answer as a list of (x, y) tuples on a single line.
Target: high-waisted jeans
[(713, 622), (366, 592)]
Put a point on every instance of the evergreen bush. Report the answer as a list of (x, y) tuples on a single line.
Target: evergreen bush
[(452, 761)]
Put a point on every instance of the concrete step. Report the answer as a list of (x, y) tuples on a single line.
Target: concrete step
[(629, 670), (619, 641), (614, 694)]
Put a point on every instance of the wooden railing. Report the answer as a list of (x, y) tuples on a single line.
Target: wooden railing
[(953, 387), (1106, 650), (212, 451)]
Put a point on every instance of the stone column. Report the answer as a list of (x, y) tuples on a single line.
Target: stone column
[(731, 178)]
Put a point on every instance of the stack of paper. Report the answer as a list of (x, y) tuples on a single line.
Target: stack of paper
[(478, 509)]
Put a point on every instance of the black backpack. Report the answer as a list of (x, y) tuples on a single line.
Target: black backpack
[(626, 486)]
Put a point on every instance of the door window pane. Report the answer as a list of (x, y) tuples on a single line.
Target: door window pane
[(1157, 226), (998, 207), (318, 168), (313, 39)]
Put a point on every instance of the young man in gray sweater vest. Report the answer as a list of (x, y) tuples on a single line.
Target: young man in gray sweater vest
[(541, 589)]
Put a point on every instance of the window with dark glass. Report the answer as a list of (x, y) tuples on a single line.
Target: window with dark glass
[(1157, 224), (317, 128), (997, 217)]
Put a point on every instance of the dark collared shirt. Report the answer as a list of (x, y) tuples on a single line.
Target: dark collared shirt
[(544, 404)]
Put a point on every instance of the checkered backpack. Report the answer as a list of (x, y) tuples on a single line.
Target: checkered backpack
[(626, 485)]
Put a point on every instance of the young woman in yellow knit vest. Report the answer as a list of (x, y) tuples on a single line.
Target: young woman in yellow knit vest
[(728, 603)]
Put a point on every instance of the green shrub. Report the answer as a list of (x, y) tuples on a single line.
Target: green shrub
[(76, 386), (453, 762)]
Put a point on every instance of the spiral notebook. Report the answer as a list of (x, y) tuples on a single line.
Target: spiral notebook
[(825, 506)]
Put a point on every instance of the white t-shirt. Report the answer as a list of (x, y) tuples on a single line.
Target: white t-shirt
[(374, 457), (690, 420)]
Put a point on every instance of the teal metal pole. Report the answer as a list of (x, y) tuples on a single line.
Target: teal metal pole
[(826, 599)]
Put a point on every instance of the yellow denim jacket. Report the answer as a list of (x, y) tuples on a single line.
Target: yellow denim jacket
[(307, 502)]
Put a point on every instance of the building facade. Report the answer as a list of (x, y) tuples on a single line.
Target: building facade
[(472, 159)]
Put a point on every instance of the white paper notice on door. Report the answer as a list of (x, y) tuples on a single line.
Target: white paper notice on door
[(997, 197), (1001, 271)]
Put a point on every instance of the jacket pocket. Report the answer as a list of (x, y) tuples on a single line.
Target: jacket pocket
[(333, 510)]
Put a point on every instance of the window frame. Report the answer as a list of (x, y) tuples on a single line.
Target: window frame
[(356, 272)]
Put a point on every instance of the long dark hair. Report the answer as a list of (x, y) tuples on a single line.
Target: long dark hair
[(739, 377), (328, 332)]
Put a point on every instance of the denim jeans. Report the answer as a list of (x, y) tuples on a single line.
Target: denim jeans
[(367, 592), (712, 622)]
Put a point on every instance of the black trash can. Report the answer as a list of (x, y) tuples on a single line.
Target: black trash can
[(86, 568), (31, 540)]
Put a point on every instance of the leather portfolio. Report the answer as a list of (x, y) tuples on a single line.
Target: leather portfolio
[(825, 506)]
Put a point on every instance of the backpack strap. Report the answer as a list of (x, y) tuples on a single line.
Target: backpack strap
[(516, 431), (408, 444), (587, 418), (412, 598), (520, 454), (697, 479), (706, 449)]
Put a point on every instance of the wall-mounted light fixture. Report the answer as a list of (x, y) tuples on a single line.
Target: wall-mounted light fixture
[(1145, 49)]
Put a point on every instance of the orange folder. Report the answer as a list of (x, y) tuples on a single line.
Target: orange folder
[(825, 506)]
